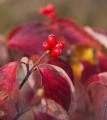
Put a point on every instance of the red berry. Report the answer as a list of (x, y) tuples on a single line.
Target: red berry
[(55, 52), (47, 10), (52, 40), (46, 46), (60, 44), (52, 15), (50, 7), (43, 11)]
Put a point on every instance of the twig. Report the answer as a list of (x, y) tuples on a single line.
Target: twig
[(29, 72)]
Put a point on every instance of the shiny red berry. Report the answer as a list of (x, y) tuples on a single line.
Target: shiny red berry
[(55, 52), (52, 15), (47, 10), (46, 46), (52, 40), (60, 44), (50, 7), (43, 11)]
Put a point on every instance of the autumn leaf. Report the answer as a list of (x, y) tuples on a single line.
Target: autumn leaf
[(57, 85), (8, 89)]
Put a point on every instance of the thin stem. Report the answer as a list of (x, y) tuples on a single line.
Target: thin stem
[(25, 79), (39, 60), (32, 69)]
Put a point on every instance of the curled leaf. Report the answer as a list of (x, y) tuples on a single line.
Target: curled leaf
[(63, 64), (57, 85), (97, 88)]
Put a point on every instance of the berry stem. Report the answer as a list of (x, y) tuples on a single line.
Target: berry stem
[(39, 60), (33, 68)]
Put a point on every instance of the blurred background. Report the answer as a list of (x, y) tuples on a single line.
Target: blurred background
[(84, 12)]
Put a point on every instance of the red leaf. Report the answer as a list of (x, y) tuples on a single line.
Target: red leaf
[(28, 38), (63, 64), (74, 34), (8, 77), (102, 62), (93, 79), (43, 116), (98, 78), (56, 85), (97, 89), (89, 70), (8, 89)]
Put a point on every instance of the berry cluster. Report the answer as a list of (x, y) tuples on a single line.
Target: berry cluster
[(53, 45), (48, 10)]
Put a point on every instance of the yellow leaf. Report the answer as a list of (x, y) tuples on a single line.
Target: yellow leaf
[(77, 68), (84, 53)]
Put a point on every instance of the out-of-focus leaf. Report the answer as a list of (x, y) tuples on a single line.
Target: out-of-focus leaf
[(77, 68), (102, 62), (74, 34), (8, 89), (100, 36), (28, 115), (53, 108), (98, 93), (8, 81), (98, 78), (85, 65), (57, 85), (63, 64), (44, 116), (29, 37), (89, 70), (84, 53), (83, 69), (30, 88)]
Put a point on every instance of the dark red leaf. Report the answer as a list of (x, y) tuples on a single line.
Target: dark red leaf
[(98, 78), (28, 38), (56, 85), (74, 34), (92, 79), (63, 64), (102, 62), (8, 89), (8, 77), (89, 69)]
